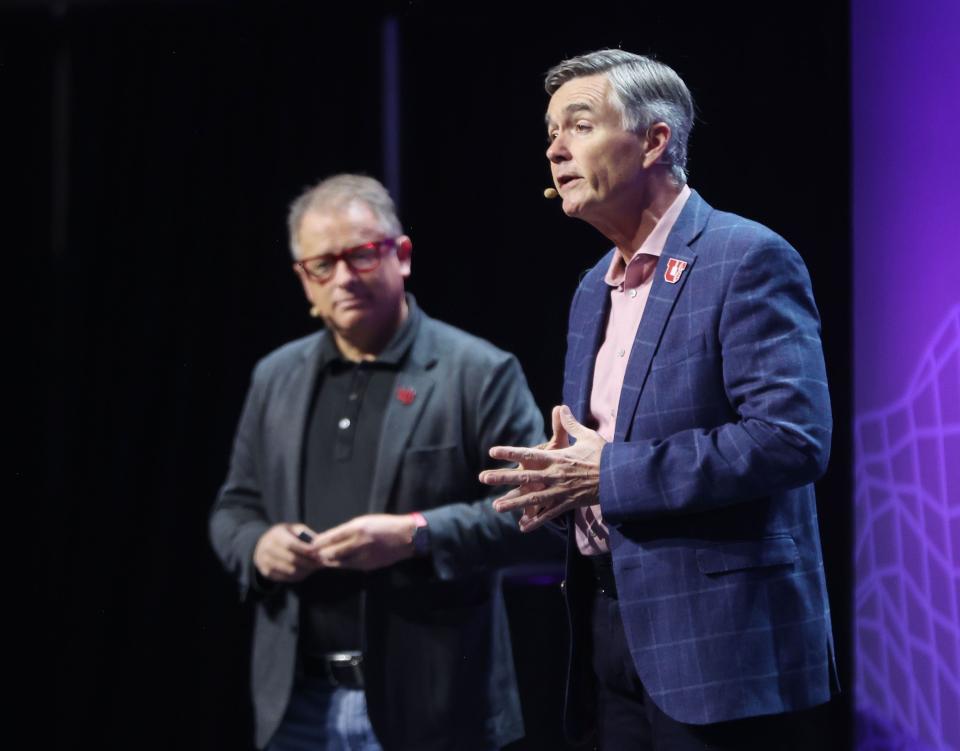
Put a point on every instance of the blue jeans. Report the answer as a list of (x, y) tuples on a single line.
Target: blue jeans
[(323, 718)]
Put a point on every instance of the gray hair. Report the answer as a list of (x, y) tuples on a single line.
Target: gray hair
[(644, 90), (336, 193)]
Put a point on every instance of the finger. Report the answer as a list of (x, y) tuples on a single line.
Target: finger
[(555, 420), (332, 536), (521, 454), (517, 493), (511, 476), (355, 559), (329, 563), (514, 476), (560, 438), (285, 538), (302, 532), (529, 514), (527, 500), (306, 560), (339, 551), (569, 423), (530, 523), (297, 547), (292, 559), (287, 549), (532, 518), (278, 563)]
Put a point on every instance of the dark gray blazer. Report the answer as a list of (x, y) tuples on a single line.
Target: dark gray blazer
[(437, 648)]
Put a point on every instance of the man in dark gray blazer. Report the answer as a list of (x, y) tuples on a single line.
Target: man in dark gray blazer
[(352, 513)]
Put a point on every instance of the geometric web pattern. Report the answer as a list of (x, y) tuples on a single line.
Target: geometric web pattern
[(907, 594)]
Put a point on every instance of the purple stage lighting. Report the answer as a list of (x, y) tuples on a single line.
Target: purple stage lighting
[(906, 155)]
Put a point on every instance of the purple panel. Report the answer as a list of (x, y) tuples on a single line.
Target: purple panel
[(906, 122), (908, 561), (906, 116)]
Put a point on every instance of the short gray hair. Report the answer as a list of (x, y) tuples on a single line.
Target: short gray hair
[(644, 90), (336, 193)]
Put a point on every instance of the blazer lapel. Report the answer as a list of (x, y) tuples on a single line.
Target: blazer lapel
[(591, 317), (295, 411), (401, 418), (660, 303)]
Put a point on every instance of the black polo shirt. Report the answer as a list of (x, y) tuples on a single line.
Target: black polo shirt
[(341, 447)]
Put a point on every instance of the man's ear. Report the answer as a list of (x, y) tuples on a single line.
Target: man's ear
[(404, 252), (404, 248), (658, 136)]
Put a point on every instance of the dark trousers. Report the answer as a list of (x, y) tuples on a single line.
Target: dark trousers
[(628, 720)]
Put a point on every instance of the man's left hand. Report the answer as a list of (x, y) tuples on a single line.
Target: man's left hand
[(367, 542), (553, 481)]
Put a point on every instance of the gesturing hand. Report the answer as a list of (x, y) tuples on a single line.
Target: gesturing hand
[(366, 542), (281, 556), (550, 480)]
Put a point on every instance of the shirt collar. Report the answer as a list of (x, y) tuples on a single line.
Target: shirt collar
[(653, 245)]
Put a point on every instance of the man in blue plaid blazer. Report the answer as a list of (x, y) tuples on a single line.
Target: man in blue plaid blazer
[(696, 418)]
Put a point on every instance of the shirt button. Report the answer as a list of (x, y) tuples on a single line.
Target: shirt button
[(621, 352), (633, 293), (353, 396), (344, 423)]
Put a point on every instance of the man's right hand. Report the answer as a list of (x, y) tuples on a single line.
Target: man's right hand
[(280, 556)]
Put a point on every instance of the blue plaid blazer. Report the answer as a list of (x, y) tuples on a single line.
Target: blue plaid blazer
[(723, 425)]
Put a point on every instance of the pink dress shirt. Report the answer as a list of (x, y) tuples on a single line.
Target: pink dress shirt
[(630, 287)]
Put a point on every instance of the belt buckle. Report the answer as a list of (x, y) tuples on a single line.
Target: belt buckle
[(345, 669)]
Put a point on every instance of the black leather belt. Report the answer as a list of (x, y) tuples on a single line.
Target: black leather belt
[(339, 669), (603, 574)]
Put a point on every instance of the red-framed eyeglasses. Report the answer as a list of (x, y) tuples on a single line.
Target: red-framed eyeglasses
[(360, 258)]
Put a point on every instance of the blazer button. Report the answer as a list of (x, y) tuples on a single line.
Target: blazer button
[(563, 586)]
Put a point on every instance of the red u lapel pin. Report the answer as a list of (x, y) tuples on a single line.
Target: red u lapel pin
[(674, 269), (406, 395)]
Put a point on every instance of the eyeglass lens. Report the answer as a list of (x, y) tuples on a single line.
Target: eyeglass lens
[(361, 258)]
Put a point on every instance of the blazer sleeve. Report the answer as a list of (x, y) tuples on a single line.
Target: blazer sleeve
[(238, 518), (468, 537), (771, 364)]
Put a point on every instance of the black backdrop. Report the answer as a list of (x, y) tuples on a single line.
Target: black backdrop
[(153, 148)]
